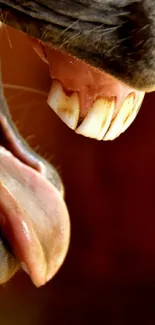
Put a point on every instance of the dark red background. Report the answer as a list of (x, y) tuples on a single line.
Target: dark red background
[(109, 274)]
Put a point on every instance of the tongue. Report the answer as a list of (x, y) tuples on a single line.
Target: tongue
[(33, 218)]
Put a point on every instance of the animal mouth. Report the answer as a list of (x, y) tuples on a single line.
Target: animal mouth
[(87, 100), (34, 221), (35, 228), (92, 102)]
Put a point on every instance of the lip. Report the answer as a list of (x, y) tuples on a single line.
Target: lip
[(81, 94), (95, 85), (35, 277), (121, 234), (22, 232), (51, 25), (39, 35)]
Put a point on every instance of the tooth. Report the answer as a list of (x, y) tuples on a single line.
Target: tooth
[(134, 113), (98, 119), (118, 122), (66, 107)]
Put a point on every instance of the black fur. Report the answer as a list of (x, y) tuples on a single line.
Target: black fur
[(117, 36)]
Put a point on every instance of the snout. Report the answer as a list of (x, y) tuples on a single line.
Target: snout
[(100, 54), (116, 37), (101, 61)]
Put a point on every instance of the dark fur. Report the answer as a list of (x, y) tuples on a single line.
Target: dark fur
[(115, 35)]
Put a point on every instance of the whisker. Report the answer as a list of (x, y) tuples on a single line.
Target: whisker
[(28, 105), (8, 37), (104, 31), (43, 36), (69, 39), (25, 88), (69, 27), (1, 26), (14, 96), (3, 18), (98, 28)]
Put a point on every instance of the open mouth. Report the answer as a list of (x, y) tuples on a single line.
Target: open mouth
[(35, 228), (34, 221), (89, 101)]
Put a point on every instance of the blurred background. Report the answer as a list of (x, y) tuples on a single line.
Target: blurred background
[(109, 274)]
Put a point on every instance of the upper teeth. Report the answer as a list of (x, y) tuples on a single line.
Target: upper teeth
[(66, 107), (121, 117), (99, 122), (98, 119), (134, 112)]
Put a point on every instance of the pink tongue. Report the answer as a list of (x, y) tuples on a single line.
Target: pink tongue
[(34, 218)]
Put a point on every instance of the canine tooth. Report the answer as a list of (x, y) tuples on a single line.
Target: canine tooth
[(98, 119), (118, 122), (66, 107)]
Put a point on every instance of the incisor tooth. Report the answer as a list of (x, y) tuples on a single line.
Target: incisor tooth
[(118, 122), (134, 113), (66, 107), (98, 119)]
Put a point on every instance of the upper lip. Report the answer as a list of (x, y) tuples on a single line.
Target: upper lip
[(21, 150), (122, 90), (81, 92), (122, 49)]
